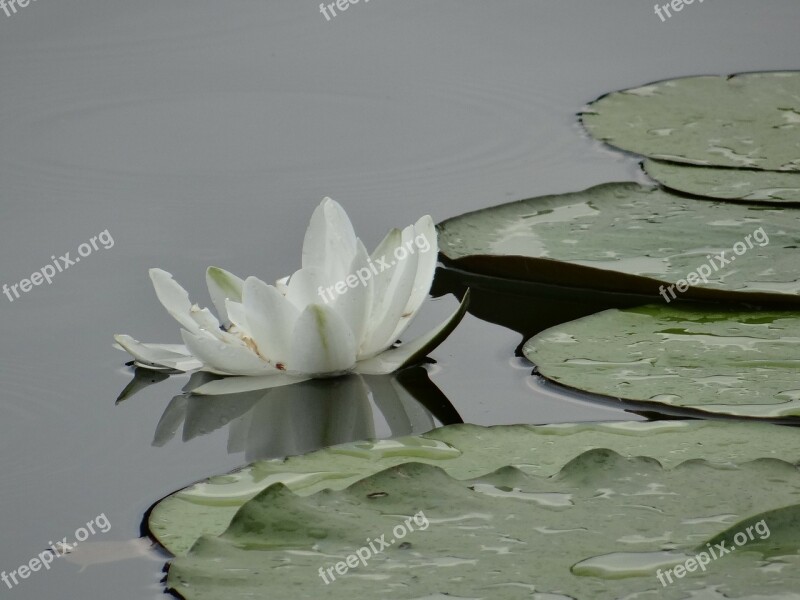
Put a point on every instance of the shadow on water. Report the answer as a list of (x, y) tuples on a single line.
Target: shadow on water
[(527, 307), (531, 307)]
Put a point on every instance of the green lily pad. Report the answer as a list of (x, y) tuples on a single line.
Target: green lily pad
[(601, 527), (624, 237), (770, 187), (769, 533), (744, 121), (464, 451), (733, 362)]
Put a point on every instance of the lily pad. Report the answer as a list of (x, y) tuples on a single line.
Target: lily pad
[(782, 530), (770, 187), (745, 121), (624, 237), (464, 451), (601, 527), (734, 362)]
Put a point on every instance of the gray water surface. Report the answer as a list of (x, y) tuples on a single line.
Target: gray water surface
[(201, 132)]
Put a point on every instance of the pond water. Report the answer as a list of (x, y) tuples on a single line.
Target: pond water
[(199, 133)]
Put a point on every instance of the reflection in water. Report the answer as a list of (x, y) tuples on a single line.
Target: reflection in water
[(86, 554), (142, 378), (303, 417)]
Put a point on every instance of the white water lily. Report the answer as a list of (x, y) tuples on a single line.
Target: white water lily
[(272, 335)]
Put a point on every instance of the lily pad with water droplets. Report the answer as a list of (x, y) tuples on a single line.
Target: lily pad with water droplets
[(464, 451), (601, 526), (624, 237), (769, 187), (734, 362), (745, 121)]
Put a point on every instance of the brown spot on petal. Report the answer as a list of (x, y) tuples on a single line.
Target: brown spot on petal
[(280, 366), (250, 343)]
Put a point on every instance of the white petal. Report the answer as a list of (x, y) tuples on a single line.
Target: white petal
[(322, 343), (174, 298), (330, 241), (223, 286), (237, 316), (174, 348), (414, 351), (383, 253), (305, 287), (206, 321), (170, 356), (354, 304), (270, 318), (176, 301), (387, 310), (282, 285), (236, 385), (231, 359), (427, 247)]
